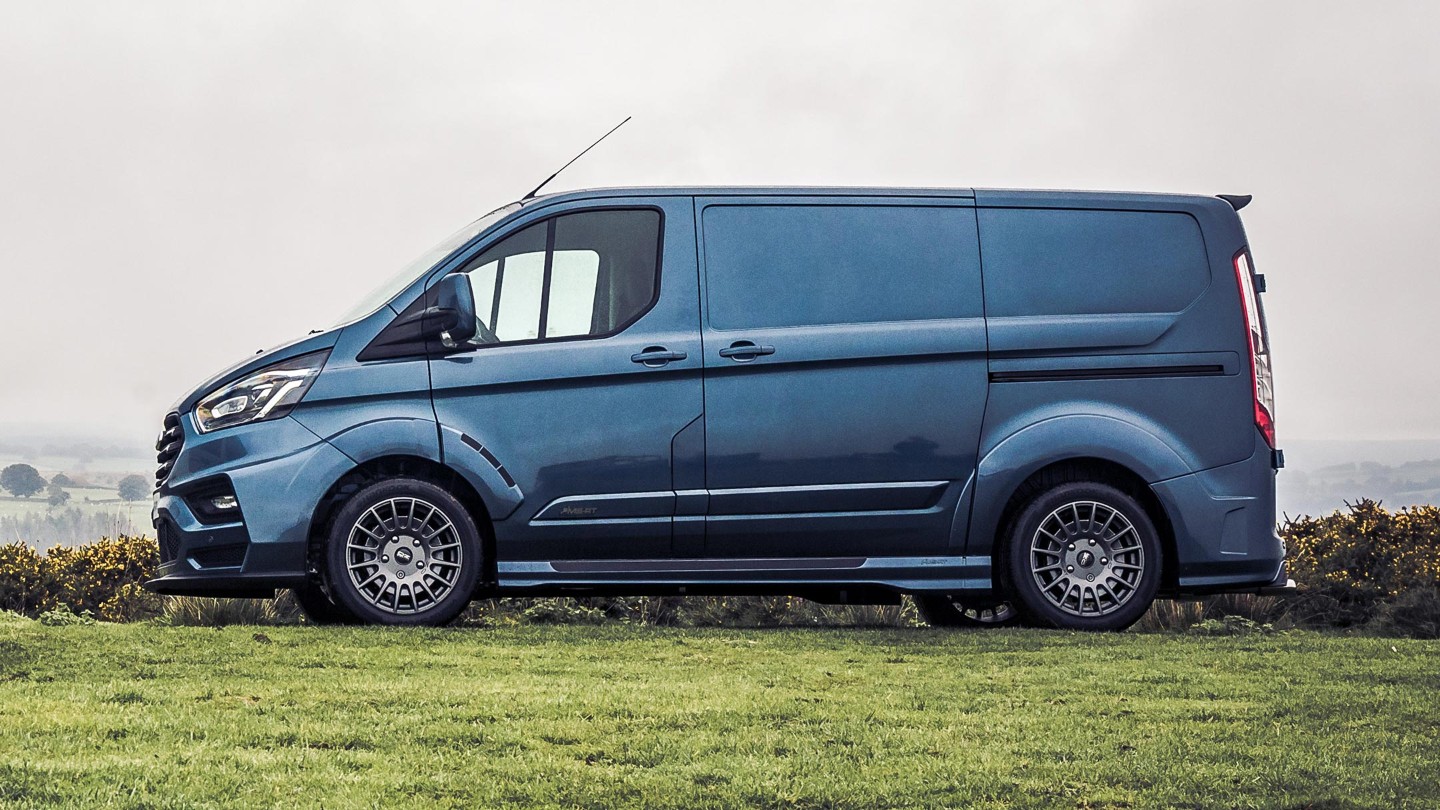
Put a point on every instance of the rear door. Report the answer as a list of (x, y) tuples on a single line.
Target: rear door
[(845, 373)]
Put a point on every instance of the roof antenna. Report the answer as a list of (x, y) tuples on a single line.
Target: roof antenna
[(572, 160)]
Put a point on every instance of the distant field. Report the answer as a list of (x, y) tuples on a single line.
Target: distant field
[(101, 500), (142, 715)]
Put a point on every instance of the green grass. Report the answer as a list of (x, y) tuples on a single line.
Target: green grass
[(143, 715)]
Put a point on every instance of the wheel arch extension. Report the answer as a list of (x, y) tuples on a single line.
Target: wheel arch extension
[(1078, 447), (401, 466)]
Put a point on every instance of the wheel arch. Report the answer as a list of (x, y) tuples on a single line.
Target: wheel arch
[(401, 466)]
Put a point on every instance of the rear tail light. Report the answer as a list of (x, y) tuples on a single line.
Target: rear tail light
[(1259, 349)]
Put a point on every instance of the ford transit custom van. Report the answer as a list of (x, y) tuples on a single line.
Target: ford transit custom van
[(1049, 407)]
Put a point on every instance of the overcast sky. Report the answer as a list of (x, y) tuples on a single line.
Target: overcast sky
[(183, 183)]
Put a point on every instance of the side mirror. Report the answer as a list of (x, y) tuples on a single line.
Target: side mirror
[(454, 310)]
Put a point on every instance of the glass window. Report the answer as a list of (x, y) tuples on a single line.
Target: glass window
[(799, 265), (381, 295), (577, 275)]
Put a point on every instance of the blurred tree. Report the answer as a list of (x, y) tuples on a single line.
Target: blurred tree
[(56, 496), (21, 480), (63, 480), (134, 488)]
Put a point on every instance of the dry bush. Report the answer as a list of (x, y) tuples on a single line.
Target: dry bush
[(205, 611)]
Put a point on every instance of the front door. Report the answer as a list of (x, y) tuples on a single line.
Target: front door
[(585, 368), (845, 374)]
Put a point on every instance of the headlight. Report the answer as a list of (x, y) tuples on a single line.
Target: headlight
[(269, 393)]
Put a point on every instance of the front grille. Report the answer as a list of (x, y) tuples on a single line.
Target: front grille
[(167, 447), (221, 557)]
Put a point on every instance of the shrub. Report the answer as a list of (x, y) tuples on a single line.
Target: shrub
[(1351, 564), (24, 582), (63, 617), (130, 603), (80, 578), (201, 611), (1416, 613)]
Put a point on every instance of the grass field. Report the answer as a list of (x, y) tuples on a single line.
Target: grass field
[(143, 715)]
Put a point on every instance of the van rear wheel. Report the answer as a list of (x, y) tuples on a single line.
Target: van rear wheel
[(946, 611), (403, 551), (1083, 556)]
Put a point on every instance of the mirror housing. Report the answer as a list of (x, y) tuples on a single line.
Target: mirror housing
[(439, 322), (453, 316)]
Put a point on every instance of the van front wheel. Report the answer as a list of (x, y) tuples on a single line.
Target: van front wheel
[(319, 608), (1083, 556), (403, 551)]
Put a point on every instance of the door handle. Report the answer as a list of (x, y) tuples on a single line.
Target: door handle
[(743, 351), (657, 356)]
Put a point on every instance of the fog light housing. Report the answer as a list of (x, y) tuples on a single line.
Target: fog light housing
[(213, 501)]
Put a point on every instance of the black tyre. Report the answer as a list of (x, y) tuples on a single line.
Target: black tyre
[(946, 611), (403, 551), (1083, 556), (318, 607)]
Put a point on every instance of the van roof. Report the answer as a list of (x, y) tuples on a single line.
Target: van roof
[(1106, 199)]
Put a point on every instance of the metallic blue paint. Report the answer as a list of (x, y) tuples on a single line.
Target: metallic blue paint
[(854, 456)]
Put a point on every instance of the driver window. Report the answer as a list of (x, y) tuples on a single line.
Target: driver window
[(577, 275)]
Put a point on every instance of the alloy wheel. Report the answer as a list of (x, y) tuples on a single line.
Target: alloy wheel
[(404, 555), (1087, 559)]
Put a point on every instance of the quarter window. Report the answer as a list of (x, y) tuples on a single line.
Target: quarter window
[(586, 274)]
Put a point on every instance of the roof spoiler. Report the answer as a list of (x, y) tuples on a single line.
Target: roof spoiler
[(1237, 201)]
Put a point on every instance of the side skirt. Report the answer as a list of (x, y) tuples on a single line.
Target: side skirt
[(741, 576)]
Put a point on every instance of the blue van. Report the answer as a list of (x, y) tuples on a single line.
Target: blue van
[(1048, 407)]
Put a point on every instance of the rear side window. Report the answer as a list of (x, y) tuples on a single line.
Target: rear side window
[(578, 275), (1054, 262), (808, 265)]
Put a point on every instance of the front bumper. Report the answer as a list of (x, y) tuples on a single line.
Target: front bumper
[(279, 472)]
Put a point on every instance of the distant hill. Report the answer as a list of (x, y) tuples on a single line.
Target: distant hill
[(51, 449), (1321, 475)]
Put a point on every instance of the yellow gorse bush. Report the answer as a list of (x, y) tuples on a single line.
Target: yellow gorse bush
[(101, 578), (1351, 562)]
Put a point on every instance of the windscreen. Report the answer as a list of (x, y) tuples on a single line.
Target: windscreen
[(397, 283)]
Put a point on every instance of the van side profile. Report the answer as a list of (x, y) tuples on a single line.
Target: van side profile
[(1051, 407)]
